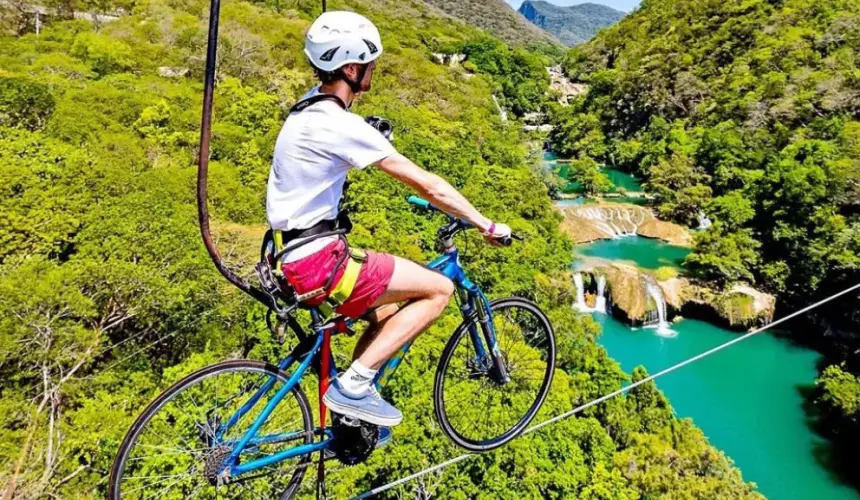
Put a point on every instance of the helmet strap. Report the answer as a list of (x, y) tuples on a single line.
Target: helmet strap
[(355, 85)]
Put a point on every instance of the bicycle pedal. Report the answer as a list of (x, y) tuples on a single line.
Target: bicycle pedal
[(347, 420)]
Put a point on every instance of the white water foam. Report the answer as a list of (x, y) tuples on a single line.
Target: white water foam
[(662, 327)]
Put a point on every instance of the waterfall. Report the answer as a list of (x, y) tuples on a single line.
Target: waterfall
[(502, 114), (662, 326), (600, 300), (580, 294), (614, 222), (704, 221)]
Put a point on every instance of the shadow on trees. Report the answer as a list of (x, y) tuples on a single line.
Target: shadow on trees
[(838, 453)]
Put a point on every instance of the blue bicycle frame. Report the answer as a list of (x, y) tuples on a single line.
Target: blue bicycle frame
[(472, 302)]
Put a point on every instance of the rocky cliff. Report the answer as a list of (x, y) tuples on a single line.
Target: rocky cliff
[(573, 24), (737, 307)]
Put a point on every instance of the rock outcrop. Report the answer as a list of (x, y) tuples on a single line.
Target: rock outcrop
[(737, 307), (566, 89), (452, 60), (605, 220)]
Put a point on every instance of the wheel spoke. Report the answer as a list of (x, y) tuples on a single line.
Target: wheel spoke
[(161, 459), (480, 410)]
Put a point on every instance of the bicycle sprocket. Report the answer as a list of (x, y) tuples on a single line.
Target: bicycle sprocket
[(354, 440), (213, 462)]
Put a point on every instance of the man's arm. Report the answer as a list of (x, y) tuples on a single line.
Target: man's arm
[(436, 189)]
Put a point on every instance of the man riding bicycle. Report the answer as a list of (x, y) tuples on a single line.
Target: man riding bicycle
[(320, 142)]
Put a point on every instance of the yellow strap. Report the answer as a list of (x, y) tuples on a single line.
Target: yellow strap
[(278, 239), (346, 285)]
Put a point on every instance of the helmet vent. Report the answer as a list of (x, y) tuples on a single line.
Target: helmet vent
[(329, 54), (371, 46)]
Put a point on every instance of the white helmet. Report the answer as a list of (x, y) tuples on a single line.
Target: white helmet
[(339, 37)]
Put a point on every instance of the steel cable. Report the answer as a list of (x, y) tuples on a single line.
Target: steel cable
[(627, 388)]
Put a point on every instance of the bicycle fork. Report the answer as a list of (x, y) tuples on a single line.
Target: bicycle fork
[(488, 359)]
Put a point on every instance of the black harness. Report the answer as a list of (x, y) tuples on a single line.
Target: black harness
[(310, 101), (329, 227)]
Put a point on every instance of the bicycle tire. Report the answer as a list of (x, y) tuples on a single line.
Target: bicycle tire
[(249, 366), (456, 435)]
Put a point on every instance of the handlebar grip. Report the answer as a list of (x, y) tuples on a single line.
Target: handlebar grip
[(508, 240), (420, 202)]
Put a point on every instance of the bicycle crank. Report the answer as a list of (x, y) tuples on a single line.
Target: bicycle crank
[(354, 440)]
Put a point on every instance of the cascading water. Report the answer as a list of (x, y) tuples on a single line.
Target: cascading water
[(704, 221), (600, 301), (614, 222), (662, 326), (580, 294)]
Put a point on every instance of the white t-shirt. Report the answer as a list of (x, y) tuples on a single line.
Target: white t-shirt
[(315, 150)]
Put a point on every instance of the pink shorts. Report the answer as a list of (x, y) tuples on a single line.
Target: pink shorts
[(312, 272)]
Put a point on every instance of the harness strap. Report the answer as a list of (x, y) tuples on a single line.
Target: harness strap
[(278, 240), (342, 289), (302, 105), (345, 286)]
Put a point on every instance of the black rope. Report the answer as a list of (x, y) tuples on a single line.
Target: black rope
[(203, 163)]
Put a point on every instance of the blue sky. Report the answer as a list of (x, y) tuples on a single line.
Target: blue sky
[(625, 5)]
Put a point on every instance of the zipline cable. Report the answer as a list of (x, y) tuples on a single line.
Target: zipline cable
[(442, 465)]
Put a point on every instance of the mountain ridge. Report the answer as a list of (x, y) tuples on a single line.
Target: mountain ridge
[(499, 19), (573, 24)]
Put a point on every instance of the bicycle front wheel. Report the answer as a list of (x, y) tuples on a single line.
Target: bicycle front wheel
[(474, 409), (176, 448)]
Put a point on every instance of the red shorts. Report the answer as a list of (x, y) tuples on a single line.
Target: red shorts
[(310, 273)]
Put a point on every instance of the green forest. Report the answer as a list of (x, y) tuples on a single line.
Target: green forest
[(107, 294), (747, 111)]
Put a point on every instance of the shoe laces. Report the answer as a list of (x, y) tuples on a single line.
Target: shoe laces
[(375, 393)]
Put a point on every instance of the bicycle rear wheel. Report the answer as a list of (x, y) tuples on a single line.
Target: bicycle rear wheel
[(474, 410), (176, 447)]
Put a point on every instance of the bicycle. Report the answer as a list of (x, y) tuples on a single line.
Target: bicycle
[(228, 439)]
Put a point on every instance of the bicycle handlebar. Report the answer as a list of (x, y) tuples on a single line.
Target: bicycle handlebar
[(421, 202), (457, 224)]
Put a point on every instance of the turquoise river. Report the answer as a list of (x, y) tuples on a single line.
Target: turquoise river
[(747, 399)]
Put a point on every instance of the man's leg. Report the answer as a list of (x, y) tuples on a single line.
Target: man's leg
[(376, 317), (428, 292)]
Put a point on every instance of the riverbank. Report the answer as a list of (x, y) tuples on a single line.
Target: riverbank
[(748, 400)]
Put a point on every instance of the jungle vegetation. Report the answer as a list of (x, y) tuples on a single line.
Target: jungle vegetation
[(748, 111), (107, 295)]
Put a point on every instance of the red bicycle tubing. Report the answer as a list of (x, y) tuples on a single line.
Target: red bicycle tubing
[(325, 366)]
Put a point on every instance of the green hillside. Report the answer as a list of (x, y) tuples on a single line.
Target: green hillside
[(572, 24), (750, 112), (500, 20), (107, 295)]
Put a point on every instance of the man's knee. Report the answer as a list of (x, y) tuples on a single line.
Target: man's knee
[(446, 289), (443, 293)]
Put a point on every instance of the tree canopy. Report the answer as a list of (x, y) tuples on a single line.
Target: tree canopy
[(107, 295)]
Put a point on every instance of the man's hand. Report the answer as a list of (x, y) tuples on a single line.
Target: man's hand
[(496, 232)]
